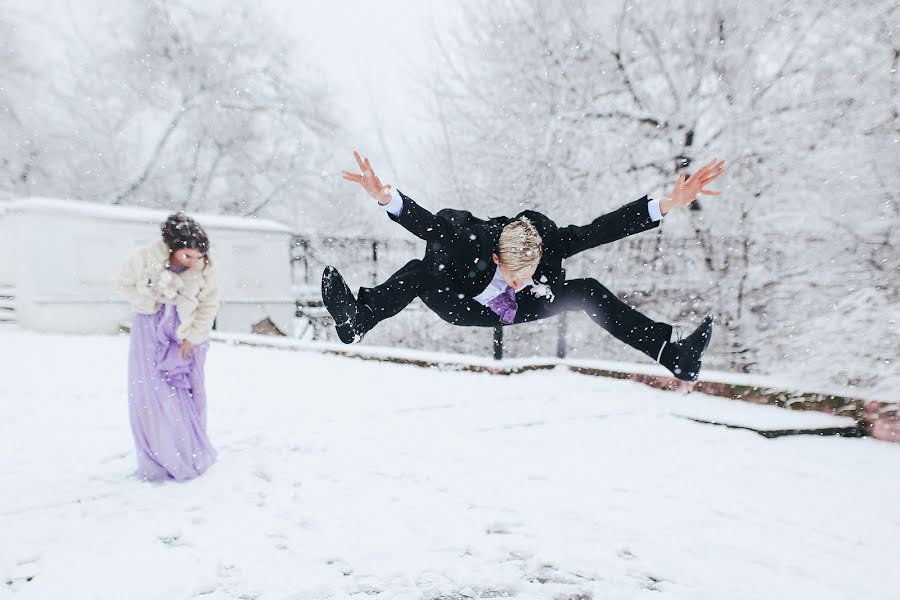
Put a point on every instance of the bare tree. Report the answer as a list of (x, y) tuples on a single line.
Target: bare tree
[(184, 106), (557, 104), (240, 130)]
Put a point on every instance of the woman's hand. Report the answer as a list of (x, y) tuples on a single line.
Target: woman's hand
[(368, 180), (686, 192), (185, 349)]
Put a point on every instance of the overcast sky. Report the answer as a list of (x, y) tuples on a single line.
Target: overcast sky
[(374, 56)]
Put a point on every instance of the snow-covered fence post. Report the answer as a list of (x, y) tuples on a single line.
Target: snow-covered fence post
[(375, 263), (562, 330), (498, 342)]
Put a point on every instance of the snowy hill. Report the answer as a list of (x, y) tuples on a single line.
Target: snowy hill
[(342, 478)]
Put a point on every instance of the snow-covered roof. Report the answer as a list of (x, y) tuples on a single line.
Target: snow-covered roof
[(134, 215)]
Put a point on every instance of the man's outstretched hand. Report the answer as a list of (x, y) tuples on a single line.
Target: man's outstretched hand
[(686, 192), (368, 180)]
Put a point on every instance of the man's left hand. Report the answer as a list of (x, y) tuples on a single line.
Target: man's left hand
[(687, 190)]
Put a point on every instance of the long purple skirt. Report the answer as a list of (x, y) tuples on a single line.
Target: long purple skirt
[(167, 400)]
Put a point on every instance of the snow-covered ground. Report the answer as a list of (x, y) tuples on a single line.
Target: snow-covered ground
[(342, 478)]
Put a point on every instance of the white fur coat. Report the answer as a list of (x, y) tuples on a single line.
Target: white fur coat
[(148, 284)]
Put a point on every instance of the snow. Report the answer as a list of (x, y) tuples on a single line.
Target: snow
[(458, 360), (55, 206), (345, 478)]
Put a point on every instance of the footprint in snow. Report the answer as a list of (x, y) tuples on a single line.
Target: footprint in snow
[(502, 528), (173, 540), (341, 565), (23, 573)]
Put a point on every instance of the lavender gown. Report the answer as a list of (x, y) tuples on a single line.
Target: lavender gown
[(167, 400)]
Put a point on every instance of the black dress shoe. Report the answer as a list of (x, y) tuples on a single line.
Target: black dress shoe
[(341, 305), (683, 357)]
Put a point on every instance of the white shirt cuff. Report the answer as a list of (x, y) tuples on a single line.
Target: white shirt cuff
[(655, 212), (395, 206)]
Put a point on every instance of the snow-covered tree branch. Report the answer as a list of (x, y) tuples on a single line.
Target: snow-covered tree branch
[(574, 108)]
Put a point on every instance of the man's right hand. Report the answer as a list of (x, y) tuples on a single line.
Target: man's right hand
[(368, 180)]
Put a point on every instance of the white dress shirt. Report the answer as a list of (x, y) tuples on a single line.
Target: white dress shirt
[(496, 287), (498, 284), (395, 206)]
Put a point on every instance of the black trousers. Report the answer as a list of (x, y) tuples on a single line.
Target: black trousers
[(605, 308)]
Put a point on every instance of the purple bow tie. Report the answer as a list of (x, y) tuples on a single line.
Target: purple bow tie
[(505, 306)]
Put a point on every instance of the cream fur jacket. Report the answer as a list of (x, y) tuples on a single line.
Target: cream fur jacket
[(148, 284)]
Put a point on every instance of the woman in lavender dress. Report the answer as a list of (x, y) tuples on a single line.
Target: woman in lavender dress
[(173, 291)]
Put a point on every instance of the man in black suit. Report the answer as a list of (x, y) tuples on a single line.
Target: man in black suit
[(484, 273)]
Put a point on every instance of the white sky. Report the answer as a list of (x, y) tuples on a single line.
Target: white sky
[(375, 56)]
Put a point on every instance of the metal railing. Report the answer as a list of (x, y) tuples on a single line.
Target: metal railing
[(686, 279)]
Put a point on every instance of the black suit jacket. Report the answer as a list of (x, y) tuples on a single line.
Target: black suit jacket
[(459, 245)]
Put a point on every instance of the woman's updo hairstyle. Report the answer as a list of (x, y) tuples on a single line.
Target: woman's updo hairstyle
[(180, 231)]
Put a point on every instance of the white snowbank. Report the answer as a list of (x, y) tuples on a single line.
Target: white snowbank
[(766, 382), (131, 214)]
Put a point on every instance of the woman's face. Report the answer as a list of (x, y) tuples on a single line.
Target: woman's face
[(186, 257)]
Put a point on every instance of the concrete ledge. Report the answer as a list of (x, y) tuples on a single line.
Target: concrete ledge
[(875, 418)]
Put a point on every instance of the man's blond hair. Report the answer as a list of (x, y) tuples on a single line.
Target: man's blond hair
[(520, 247)]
